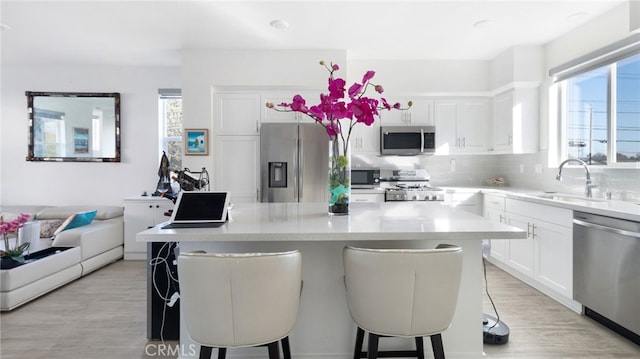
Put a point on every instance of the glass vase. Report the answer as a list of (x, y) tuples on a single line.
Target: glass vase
[(339, 177)]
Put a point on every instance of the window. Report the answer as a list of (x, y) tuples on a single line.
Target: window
[(170, 110), (599, 105)]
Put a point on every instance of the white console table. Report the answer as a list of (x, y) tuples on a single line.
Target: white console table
[(141, 213)]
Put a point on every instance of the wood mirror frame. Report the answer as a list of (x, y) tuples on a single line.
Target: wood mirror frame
[(73, 126)]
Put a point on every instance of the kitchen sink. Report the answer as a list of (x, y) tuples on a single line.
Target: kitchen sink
[(567, 197)]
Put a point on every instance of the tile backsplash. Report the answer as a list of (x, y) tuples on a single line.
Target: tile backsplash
[(528, 171)]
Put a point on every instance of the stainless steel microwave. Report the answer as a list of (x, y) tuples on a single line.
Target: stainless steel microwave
[(407, 140), (365, 178)]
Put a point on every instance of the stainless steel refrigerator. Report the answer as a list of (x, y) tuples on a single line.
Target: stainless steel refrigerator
[(293, 162)]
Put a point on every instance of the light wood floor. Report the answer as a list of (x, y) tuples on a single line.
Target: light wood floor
[(103, 316)]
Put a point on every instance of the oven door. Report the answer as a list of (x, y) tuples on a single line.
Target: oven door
[(407, 140)]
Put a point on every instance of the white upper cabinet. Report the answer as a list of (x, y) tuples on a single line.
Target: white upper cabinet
[(421, 113), (237, 113), (515, 121), (366, 139), (461, 125), (278, 97)]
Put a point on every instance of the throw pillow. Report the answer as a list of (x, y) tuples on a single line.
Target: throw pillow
[(49, 226), (77, 220)]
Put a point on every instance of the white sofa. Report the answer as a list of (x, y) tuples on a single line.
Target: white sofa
[(94, 245)]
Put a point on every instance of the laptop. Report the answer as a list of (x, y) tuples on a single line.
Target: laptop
[(195, 209)]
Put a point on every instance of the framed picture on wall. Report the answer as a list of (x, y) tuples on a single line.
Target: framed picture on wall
[(80, 140), (196, 141)]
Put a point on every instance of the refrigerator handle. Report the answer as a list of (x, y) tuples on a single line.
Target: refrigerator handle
[(300, 167)]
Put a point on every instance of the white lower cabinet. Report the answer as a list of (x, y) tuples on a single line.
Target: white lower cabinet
[(545, 259), (140, 214), (367, 197), (520, 252), (554, 257), (494, 211)]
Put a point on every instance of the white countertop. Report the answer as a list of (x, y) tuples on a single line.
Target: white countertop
[(611, 208), (367, 221)]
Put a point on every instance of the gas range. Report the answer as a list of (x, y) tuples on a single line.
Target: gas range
[(413, 192)]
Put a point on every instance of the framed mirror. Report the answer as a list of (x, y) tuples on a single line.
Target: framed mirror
[(73, 127)]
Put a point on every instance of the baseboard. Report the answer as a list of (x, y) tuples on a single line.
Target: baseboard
[(567, 302)]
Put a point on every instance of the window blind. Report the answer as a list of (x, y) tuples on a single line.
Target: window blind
[(615, 52), (169, 93)]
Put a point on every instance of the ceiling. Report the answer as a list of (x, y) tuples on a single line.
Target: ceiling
[(154, 32)]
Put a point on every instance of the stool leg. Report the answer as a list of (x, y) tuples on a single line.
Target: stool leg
[(359, 339), (222, 353), (373, 346), (274, 350), (436, 344), (286, 351), (205, 352), (420, 347)]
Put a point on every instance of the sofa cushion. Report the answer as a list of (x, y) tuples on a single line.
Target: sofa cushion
[(63, 212), (48, 227), (94, 239), (76, 220), (32, 210)]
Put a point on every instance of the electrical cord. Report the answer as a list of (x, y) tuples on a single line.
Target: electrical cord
[(158, 260), (486, 287)]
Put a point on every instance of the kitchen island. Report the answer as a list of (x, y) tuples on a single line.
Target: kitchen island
[(324, 328)]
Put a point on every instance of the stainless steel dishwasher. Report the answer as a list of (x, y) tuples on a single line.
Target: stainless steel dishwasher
[(606, 271)]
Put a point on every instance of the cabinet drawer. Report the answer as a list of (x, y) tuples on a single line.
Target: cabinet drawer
[(496, 202), (367, 197), (551, 214)]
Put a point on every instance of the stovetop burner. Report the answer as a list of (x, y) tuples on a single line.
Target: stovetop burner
[(413, 192), (414, 186)]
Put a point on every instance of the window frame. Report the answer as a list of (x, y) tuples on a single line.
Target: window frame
[(608, 57), (163, 125)]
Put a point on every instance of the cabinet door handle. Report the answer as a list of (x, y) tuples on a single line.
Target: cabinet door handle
[(533, 230), (501, 218), (528, 229)]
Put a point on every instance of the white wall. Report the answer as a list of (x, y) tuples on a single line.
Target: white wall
[(69, 183), (415, 77)]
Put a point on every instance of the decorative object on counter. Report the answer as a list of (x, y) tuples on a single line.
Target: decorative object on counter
[(496, 181), (189, 182), (196, 142), (12, 256), (332, 108), (164, 183), (339, 177)]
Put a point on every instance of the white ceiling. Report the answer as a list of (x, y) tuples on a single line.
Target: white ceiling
[(154, 32)]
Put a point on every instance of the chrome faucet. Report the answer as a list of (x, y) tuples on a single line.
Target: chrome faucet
[(587, 183)]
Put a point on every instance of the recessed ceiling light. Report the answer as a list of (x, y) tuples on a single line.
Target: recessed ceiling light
[(279, 24), (483, 24), (577, 16)]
